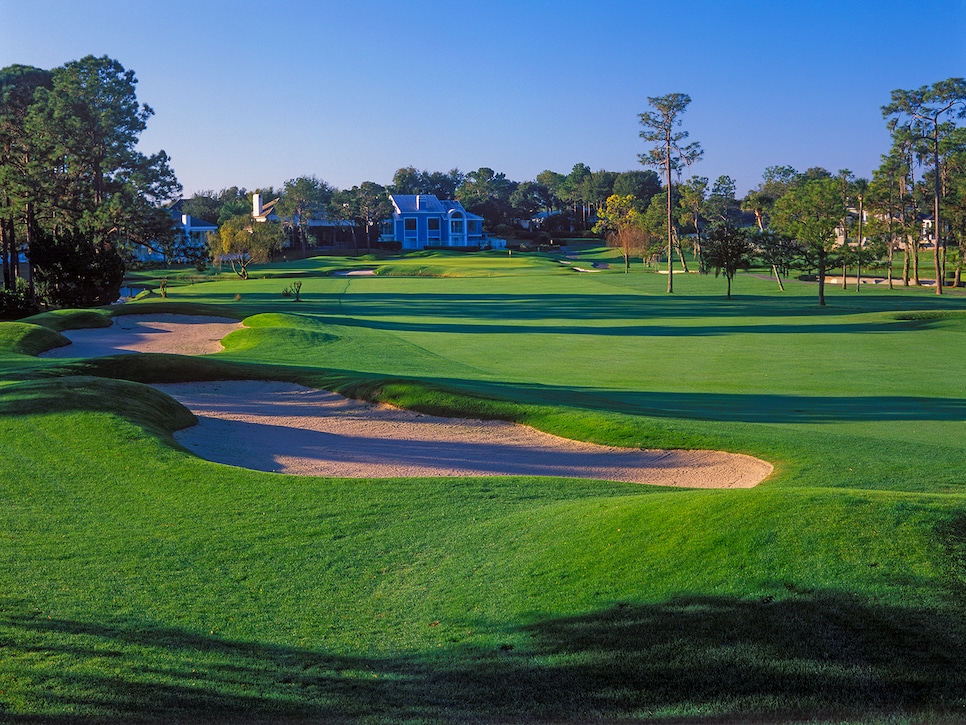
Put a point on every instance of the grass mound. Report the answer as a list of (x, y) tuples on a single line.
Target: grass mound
[(29, 339), (273, 331), (60, 320), (138, 403)]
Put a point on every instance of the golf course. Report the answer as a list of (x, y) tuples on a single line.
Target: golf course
[(141, 582)]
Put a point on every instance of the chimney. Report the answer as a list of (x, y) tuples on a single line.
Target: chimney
[(256, 205)]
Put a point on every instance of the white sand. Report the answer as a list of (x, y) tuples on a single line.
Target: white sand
[(179, 334), (271, 426)]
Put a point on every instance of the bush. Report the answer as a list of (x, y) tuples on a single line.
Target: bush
[(15, 304), (74, 270)]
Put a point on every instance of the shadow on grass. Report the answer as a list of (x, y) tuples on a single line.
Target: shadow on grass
[(645, 330), (732, 407), (556, 306), (695, 659)]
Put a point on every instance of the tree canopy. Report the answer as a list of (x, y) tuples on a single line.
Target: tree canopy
[(71, 174)]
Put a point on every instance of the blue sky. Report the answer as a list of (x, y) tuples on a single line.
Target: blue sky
[(253, 94)]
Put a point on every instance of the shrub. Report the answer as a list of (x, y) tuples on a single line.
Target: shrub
[(15, 304)]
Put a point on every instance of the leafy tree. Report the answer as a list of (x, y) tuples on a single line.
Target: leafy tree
[(726, 250), (410, 180), (860, 190), (303, 199), (571, 190), (777, 251), (722, 207), (217, 208), (91, 191), (621, 221), (641, 184), (368, 205), (553, 183), (692, 202), (846, 180), (883, 201), (595, 189), (89, 124), (925, 114), (72, 270), (956, 202), (407, 180), (529, 198), (897, 173), (18, 85), (777, 180), (758, 203), (655, 222), (810, 214), (487, 193), (241, 242), (441, 184), (669, 153)]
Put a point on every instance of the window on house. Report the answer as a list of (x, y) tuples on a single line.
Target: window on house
[(410, 225), (456, 226), (432, 225)]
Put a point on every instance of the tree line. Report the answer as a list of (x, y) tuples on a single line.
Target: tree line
[(812, 219), (77, 198)]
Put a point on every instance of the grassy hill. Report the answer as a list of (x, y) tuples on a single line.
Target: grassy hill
[(140, 583)]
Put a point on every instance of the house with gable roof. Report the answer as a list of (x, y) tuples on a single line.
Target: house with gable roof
[(422, 220), (193, 233), (322, 230)]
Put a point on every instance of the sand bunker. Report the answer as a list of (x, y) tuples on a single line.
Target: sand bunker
[(179, 334), (269, 426)]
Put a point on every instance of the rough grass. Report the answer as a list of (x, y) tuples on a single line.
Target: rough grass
[(138, 583)]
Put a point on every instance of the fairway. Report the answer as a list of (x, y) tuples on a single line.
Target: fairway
[(140, 582)]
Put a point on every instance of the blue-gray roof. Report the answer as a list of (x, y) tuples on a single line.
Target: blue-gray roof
[(427, 204)]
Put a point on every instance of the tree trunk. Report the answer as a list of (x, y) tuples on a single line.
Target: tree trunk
[(905, 262), (5, 251), (915, 264), (936, 226), (684, 264), (30, 228), (942, 264), (821, 279), (778, 278), (858, 258), (670, 251), (892, 243), (845, 269)]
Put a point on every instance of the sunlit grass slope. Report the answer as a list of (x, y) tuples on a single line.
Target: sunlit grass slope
[(140, 583)]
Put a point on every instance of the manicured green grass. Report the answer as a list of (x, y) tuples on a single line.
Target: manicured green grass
[(138, 582)]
